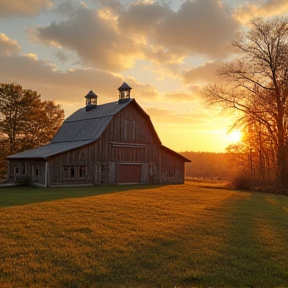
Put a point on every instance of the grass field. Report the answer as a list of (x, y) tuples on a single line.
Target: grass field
[(142, 236)]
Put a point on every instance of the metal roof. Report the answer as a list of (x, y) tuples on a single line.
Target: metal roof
[(88, 129), (49, 150), (88, 125), (124, 86), (91, 94), (173, 152)]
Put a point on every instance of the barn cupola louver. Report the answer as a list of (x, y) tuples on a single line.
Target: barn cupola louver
[(124, 93), (91, 101)]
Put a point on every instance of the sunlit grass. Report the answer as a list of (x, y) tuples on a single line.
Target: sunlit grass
[(169, 236)]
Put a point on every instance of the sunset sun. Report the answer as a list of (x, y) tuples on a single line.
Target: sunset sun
[(234, 136)]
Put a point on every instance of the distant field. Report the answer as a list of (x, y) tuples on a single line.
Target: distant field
[(142, 236)]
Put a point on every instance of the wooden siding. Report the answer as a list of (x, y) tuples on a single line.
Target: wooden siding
[(72, 168), (35, 169), (172, 167)]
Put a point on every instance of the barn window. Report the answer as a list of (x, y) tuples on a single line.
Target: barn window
[(16, 170), (68, 171), (65, 171), (72, 172), (82, 171), (34, 171)]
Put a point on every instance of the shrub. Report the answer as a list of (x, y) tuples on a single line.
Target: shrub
[(24, 181), (242, 182)]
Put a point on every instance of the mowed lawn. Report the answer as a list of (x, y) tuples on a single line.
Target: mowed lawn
[(142, 236)]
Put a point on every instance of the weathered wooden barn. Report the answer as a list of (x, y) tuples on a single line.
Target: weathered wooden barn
[(112, 143)]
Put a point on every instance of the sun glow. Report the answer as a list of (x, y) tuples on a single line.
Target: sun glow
[(234, 136)]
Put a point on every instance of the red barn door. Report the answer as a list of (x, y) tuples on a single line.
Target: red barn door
[(128, 173)]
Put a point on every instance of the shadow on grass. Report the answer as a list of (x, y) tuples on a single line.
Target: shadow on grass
[(230, 253), (14, 196)]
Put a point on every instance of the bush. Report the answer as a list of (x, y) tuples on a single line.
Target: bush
[(242, 182), (24, 181)]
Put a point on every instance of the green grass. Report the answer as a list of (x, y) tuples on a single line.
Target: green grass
[(169, 236)]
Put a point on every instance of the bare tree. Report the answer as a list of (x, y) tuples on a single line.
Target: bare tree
[(257, 86)]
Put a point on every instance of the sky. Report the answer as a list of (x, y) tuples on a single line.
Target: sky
[(166, 50)]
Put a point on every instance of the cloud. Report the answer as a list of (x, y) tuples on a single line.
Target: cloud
[(202, 74), (68, 88), (114, 5), (95, 39), (198, 118), (180, 96), (8, 46), (267, 8), (23, 8), (143, 91), (112, 39), (143, 17), (40, 75), (201, 27)]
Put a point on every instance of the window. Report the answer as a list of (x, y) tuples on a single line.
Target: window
[(23, 168), (72, 172), (68, 171), (65, 171), (82, 171)]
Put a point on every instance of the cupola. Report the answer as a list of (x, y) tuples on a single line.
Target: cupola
[(91, 100), (124, 92)]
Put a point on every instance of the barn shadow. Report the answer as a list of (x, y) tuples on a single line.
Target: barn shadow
[(14, 196)]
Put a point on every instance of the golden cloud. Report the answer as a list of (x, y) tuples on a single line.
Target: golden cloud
[(23, 8), (8, 46), (268, 8)]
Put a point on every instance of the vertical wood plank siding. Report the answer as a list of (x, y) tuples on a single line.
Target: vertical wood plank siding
[(19, 169)]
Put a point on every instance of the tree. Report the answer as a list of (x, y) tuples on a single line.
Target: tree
[(25, 121), (257, 87)]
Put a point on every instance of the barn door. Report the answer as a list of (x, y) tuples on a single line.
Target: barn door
[(128, 173)]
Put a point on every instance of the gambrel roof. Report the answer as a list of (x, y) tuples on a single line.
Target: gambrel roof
[(90, 125), (80, 129)]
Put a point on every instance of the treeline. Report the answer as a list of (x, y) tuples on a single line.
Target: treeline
[(26, 122), (207, 165)]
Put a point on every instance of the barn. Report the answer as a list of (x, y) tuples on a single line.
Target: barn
[(112, 143)]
